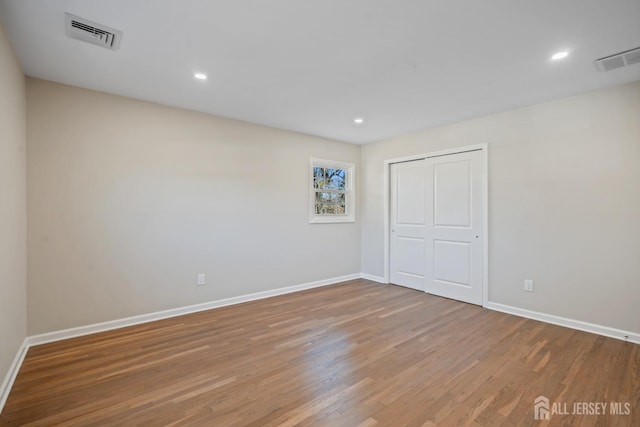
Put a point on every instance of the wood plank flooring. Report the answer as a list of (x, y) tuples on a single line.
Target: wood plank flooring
[(354, 354)]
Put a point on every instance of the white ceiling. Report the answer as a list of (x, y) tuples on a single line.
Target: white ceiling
[(313, 65)]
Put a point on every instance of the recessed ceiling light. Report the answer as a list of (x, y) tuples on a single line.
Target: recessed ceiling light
[(358, 120), (200, 76), (560, 55)]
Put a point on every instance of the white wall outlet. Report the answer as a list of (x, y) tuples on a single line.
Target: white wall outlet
[(528, 285), (201, 279)]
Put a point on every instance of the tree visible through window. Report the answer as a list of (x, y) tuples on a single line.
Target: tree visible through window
[(331, 196), (330, 189)]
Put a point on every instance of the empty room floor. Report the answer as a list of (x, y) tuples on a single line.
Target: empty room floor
[(353, 354)]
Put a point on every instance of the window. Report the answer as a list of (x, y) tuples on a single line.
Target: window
[(332, 191)]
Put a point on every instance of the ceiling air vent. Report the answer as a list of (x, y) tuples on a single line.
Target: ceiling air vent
[(92, 32), (619, 60)]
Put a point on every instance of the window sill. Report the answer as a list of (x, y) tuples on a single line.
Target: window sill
[(316, 220)]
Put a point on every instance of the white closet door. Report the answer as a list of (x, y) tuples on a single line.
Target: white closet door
[(454, 226), (408, 200), (436, 225)]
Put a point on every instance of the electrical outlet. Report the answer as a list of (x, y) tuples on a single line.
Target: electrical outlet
[(201, 279), (528, 285)]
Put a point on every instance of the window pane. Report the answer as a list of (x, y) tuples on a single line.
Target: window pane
[(332, 196), (318, 177), (335, 178), (330, 203), (323, 203), (338, 203)]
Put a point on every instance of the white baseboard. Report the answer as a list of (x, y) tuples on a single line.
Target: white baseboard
[(150, 317), (7, 383), (606, 331), (373, 278)]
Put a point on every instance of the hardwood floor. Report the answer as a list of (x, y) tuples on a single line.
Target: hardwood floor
[(354, 354)]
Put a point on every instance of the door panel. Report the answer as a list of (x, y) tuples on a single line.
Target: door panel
[(452, 194), (410, 189), (411, 256), (436, 225), (453, 236), (452, 262), (407, 190)]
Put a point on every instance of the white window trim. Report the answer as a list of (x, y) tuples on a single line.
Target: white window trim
[(350, 197)]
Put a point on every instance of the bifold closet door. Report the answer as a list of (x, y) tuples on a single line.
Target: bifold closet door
[(407, 240), (454, 241), (436, 225)]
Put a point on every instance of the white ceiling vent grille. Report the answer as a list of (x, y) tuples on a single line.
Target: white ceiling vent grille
[(92, 32), (619, 60)]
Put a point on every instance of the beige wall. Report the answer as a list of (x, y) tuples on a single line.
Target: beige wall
[(13, 207), (129, 201), (564, 203)]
